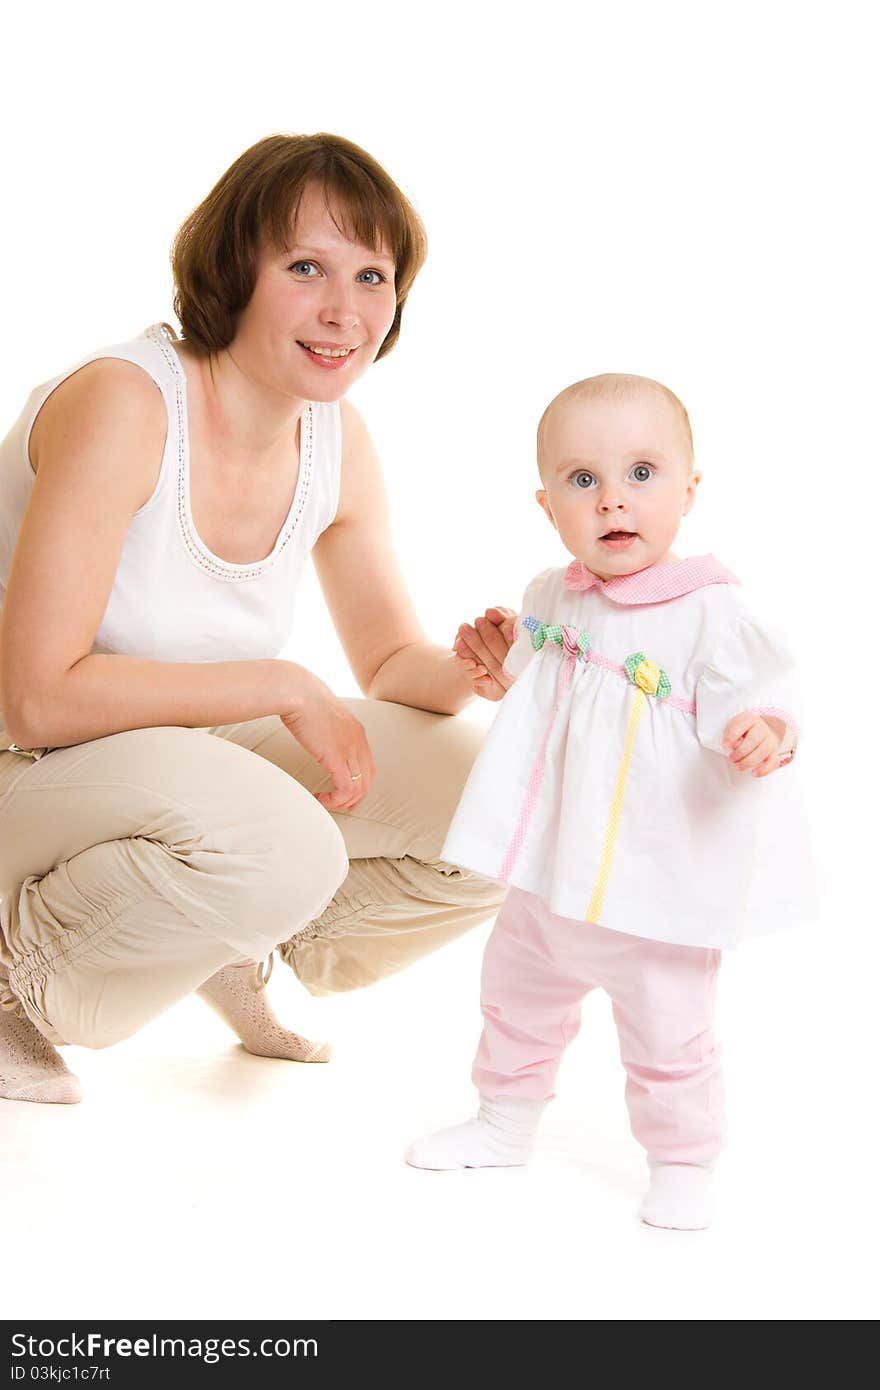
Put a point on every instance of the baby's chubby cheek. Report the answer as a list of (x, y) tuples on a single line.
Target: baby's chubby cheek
[(577, 539)]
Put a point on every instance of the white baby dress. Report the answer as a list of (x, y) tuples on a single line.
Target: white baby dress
[(602, 785)]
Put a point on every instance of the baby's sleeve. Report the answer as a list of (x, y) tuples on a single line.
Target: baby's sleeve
[(522, 651), (751, 670)]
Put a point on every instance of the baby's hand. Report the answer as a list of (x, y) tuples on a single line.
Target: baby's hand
[(753, 745), (482, 649)]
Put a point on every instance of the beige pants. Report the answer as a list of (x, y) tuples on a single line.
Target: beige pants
[(134, 866)]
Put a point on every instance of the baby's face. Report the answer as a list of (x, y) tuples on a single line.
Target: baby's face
[(618, 478)]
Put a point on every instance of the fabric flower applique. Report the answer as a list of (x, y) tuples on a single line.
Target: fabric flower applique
[(647, 675), (572, 641)]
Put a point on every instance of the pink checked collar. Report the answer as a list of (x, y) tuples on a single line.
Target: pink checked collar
[(655, 584)]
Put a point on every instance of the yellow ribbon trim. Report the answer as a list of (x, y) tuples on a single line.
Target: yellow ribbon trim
[(598, 897)]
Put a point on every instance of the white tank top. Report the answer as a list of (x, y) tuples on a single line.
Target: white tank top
[(172, 598)]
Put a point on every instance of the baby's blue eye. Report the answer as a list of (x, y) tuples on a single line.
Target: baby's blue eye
[(303, 268), (582, 479), (642, 472), (379, 277)]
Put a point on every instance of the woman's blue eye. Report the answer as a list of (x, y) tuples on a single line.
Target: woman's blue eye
[(378, 280), (582, 479), (642, 472), (303, 268)]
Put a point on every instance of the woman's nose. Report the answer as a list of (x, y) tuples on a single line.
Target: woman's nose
[(340, 311)]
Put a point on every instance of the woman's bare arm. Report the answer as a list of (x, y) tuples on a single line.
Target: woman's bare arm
[(97, 449), (385, 644)]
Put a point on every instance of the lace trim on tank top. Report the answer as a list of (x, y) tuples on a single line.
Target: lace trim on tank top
[(195, 547)]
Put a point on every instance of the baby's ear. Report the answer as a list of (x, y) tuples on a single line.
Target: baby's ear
[(691, 490), (543, 503)]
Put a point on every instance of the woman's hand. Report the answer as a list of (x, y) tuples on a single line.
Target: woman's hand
[(482, 650), (752, 745), (336, 740)]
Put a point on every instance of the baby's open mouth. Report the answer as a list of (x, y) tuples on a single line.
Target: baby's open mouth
[(618, 536)]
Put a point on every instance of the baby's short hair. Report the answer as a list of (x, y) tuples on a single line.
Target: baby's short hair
[(613, 385)]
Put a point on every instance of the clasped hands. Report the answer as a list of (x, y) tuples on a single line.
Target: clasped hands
[(481, 648), (750, 741)]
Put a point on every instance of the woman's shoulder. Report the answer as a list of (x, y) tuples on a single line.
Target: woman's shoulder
[(126, 379), (105, 421), (105, 393)]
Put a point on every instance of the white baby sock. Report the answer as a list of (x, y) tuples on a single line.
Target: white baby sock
[(30, 1068), (502, 1136), (679, 1196), (237, 994)]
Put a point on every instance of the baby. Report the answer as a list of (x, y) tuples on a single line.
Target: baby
[(623, 794)]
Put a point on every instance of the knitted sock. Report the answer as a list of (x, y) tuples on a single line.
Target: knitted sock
[(30, 1068), (679, 1196), (240, 999), (502, 1136)]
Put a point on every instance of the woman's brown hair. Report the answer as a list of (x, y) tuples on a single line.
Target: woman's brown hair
[(254, 204)]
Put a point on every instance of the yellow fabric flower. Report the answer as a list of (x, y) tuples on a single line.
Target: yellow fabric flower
[(647, 675)]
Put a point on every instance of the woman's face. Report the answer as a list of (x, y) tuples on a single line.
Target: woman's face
[(320, 310)]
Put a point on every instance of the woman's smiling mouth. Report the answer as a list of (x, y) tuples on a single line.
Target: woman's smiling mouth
[(329, 356)]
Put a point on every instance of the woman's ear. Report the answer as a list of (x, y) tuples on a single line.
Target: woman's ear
[(543, 503)]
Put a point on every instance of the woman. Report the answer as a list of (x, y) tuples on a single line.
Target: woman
[(175, 800)]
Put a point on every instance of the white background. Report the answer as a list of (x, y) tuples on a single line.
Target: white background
[(679, 190)]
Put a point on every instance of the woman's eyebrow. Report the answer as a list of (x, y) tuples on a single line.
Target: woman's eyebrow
[(328, 250)]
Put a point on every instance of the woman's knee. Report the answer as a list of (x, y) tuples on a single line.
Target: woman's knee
[(187, 829), (304, 865), (261, 843)]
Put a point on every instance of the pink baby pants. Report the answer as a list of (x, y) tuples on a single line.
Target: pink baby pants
[(536, 971)]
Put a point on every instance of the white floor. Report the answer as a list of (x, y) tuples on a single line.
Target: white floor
[(197, 1181)]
